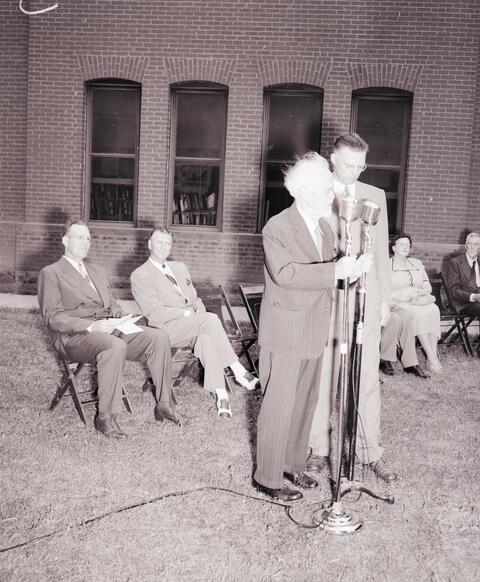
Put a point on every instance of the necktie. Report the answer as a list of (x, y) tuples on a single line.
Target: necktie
[(473, 273), (325, 240), (172, 279), (83, 272), (328, 242)]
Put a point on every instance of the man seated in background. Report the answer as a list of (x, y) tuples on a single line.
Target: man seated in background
[(79, 309), (166, 296), (463, 278), (398, 330)]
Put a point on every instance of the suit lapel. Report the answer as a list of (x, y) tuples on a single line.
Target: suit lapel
[(302, 234), (163, 284), (100, 284), (73, 278)]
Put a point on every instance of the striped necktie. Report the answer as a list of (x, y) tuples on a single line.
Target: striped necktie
[(326, 240)]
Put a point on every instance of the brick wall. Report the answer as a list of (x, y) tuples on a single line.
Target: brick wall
[(429, 48), (13, 92)]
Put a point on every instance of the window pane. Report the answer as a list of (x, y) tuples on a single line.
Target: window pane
[(113, 167), (200, 125), (277, 197), (381, 123), (195, 195), (385, 179), (111, 202), (392, 207), (293, 126), (114, 121)]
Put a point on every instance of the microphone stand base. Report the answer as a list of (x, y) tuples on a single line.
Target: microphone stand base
[(336, 520)]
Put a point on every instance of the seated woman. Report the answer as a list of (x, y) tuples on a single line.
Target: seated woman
[(411, 291)]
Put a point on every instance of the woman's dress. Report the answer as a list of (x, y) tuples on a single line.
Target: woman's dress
[(426, 318)]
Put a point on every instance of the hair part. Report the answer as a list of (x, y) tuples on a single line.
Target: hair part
[(351, 141), (72, 222), (301, 171)]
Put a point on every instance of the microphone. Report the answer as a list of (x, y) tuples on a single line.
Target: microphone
[(348, 208), (369, 212)]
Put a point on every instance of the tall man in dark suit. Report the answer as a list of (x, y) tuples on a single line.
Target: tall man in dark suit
[(294, 318), (79, 309), (349, 161), (463, 278)]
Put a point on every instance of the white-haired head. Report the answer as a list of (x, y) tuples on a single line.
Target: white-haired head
[(309, 181)]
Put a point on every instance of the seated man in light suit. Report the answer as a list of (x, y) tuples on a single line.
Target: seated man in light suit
[(463, 278), (398, 331), (77, 306), (166, 296)]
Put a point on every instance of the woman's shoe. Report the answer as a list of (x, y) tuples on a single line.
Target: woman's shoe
[(223, 408)]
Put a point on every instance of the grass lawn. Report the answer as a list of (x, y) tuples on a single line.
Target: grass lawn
[(92, 509)]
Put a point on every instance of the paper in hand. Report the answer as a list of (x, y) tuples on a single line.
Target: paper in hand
[(127, 324)]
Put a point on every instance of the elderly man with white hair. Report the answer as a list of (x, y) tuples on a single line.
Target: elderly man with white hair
[(300, 274), (463, 278)]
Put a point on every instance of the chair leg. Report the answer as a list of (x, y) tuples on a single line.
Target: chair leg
[(78, 402), (126, 401), (60, 393)]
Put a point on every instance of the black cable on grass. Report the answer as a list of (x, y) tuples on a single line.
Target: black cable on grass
[(161, 498)]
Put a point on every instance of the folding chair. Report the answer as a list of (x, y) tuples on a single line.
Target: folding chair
[(81, 395), (449, 317), (252, 300), (216, 301)]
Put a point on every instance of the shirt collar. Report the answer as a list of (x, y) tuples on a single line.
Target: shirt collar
[(470, 260), (339, 188), (73, 262)]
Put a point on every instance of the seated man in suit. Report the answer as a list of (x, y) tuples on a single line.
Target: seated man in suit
[(463, 278), (399, 331), (166, 296), (78, 308)]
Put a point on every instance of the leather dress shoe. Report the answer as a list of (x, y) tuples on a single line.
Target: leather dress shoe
[(108, 426), (317, 463), (382, 471), (301, 480), (418, 371), (283, 494), (387, 368), (163, 411)]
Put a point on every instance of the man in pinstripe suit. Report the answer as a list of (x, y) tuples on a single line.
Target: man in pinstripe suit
[(294, 320)]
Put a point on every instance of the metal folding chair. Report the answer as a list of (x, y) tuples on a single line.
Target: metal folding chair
[(252, 299), (455, 323)]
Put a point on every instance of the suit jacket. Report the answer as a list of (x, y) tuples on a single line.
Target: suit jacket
[(68, 303), (378, 278), (158, 298), (296, 304), (460, 283)]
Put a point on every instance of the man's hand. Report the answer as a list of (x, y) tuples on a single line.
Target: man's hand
[(351, 267), (384, 313), (103, 326), (476, 297)]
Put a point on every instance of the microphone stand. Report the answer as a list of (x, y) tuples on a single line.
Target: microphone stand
[(369, 217), (336, 519)]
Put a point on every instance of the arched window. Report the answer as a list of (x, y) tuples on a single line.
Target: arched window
[(113, 129), (382, 117), (197, 159), (292, 125)]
